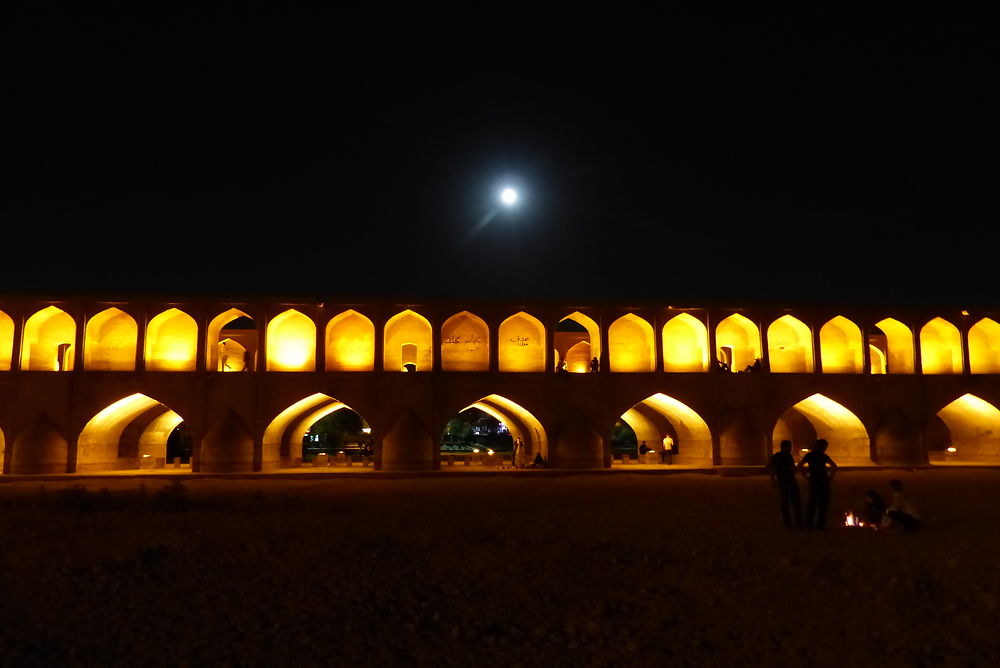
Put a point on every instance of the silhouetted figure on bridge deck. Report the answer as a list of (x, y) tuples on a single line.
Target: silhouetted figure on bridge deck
[(783, 468), (813, 467), (595, 365)]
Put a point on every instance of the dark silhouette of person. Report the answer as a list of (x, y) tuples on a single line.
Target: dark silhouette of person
[(782, 467), (539, 463), (874, 508), (814, 468), (595, 365), (902, 513), (643, 449)]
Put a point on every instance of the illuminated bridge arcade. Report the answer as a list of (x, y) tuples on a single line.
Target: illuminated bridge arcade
[(95, 384)]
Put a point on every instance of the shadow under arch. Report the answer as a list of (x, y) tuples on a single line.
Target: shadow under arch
[(973, 432), (521, 423), (282, 444), (658, 416), (39, 448), (818, 416), (131, 433)]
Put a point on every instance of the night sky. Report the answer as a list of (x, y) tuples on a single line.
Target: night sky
[(682, 159)]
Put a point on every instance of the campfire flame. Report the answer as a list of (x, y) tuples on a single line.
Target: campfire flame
[(852, 520)]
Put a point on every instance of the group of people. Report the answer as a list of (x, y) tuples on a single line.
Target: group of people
[(819, 470)]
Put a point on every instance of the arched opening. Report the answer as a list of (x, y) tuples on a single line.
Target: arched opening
[(570, 332), (840, 346), (738, 343), (132, 433), (494, 431), (232, 342), (671, 432), (789, 346), (879, 363), (6, 341), (521, 345), (319, 431), (171, 342), (291, 342), (465, 343), (631, 346), (48, 341), (408, 343), (819, 417), (685, 345), (940, 348), (972, 433), (110, 341), (895, 340), (350, 343), (984, 347)]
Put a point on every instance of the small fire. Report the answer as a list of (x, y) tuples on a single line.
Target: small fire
[(852, 520)]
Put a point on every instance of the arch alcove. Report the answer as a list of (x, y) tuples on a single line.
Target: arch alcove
[(631, 346), (350, 342), (171, 342), (291, 342), (48, 343), (465, 343), (6, 341), (110, 341), (685, 345), (577, 340), (521, 424), (738, 342), (658, 416), (818, 416), (408, 334), (789, 346), (899, 346), (231, 342), (973, 431), (984, 347), (283, 437), (940, 348), (521, 344), (130, 433), (840, 346)]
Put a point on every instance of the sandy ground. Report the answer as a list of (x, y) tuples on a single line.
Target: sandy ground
[(580, 570)]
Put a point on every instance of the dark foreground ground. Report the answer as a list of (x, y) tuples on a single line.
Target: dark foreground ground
[(586, 570)]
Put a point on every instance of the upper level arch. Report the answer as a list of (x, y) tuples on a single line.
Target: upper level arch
[(685, 344), (110, 341), (48, 343), (630, 345), (940, 347), (840, 346), (897, 341), (521, 344), (350, 342), (737, 341), (577, 340), (291, 342), (408, 343), (465, 343), (6, 341), (789, 346), (231, 342), (172, 342), (984, 347)]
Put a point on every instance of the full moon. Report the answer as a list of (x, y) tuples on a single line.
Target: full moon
[(508, 196)]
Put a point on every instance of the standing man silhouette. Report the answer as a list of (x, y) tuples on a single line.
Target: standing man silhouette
[(814, 468), (782, 467)]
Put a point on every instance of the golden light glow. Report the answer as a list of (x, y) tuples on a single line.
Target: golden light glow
[(518, 420), (578, 357), (899, 341), (738, 339), (6, 341), (48, 343), (940, 347), (593, 333), (685, 345), (789, 346), (649, 418), (350, 343), (98, 444), (408, 328), (877, 360), (984, 347), (521, 345), (291, 342), (110, 341), (974, 427), (465, 343), (840, 346), (172, 342), (630, 345), (847, 437), (291, 424)]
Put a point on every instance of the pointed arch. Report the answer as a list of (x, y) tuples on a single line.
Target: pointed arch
[(465, 343), (685, 344), (659, 416), (6, 341), (172, 342), (738, 342), (49, 341), (521, 344), (221, 330), (110, 341), (940, 347), (282, 443), (350, 342), (818, 416), (291, 342), (789, 346), (570, 332), (898, 344), (840, 346), (973, 430), (521, 423), (408, 328), (984, 347), (879, 363), (130, 433), (630, 345)]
